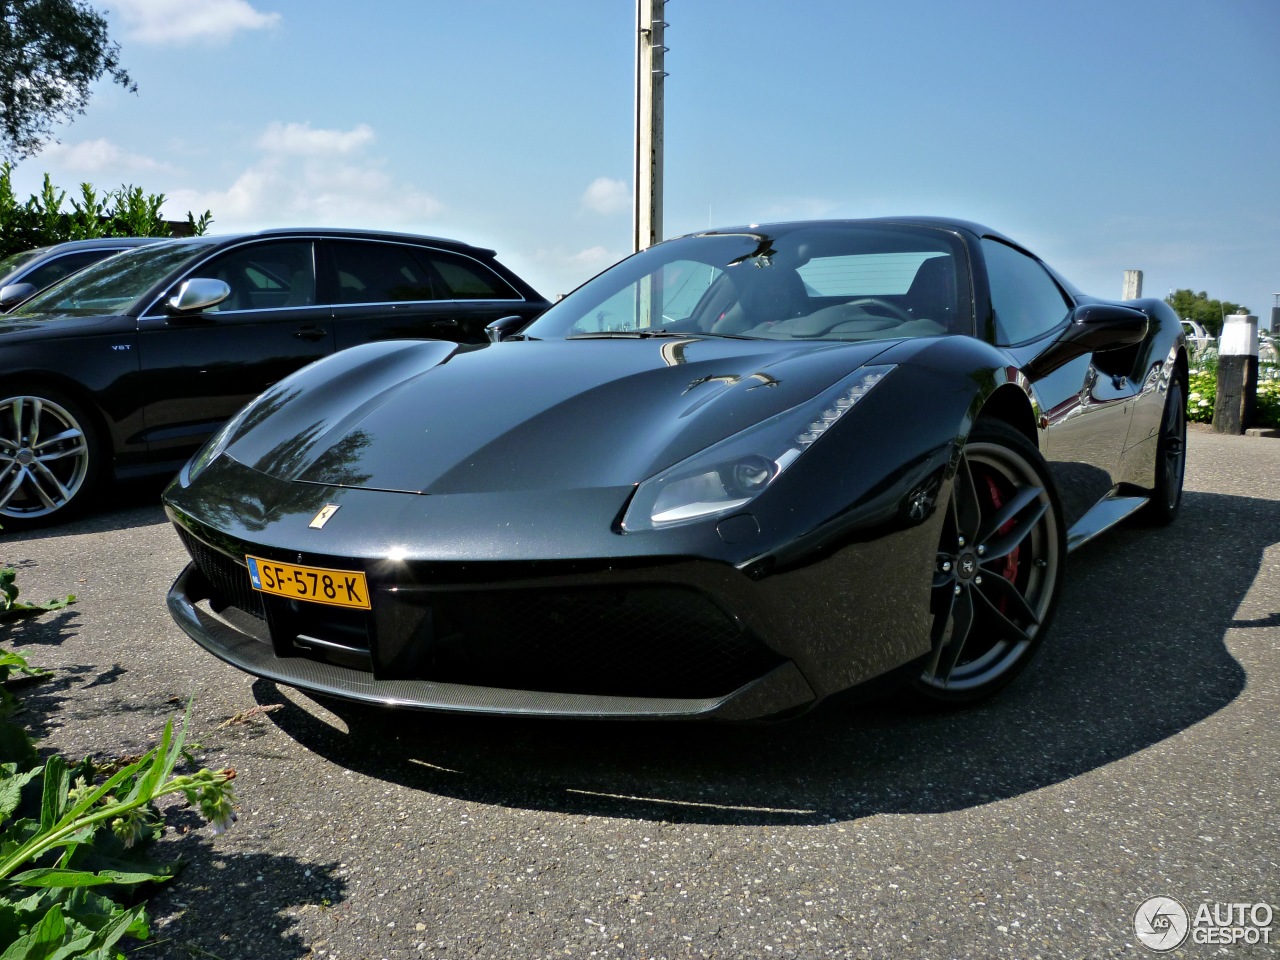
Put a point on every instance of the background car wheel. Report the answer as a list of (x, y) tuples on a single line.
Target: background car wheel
[(998, 571), (1171, 457), (49, 457)]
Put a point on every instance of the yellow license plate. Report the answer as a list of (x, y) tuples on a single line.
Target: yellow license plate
[(338, 588)]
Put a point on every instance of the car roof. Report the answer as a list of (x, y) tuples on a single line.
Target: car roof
[(947, 223), (341, 233), (96, 243)]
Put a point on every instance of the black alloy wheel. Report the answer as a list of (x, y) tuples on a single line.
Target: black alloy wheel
[(49, 457), (1171, 457), (999, 568)]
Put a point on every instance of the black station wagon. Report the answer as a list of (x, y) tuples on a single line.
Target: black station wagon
[(129, 365)]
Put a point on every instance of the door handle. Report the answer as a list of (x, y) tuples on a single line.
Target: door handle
[(311, 333)]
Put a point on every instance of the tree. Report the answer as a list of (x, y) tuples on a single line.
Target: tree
[(51, 52), (1197, 306)]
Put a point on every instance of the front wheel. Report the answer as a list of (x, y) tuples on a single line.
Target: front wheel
[(49, 457), (998, 571)]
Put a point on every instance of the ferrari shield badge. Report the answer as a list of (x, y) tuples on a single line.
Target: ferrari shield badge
[(321, 518)]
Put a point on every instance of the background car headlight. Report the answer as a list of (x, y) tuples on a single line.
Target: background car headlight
[(730, 474)]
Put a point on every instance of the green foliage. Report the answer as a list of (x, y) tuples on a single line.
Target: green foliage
[(42, 220), (71, 848), (73, 839), (1197, 306), (1203, 390), (11, 606), (51, 53)]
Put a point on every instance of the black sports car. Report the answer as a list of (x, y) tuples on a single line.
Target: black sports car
[(129, 365), (735, 473)]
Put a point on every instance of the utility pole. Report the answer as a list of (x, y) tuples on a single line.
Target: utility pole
[(647, 219)]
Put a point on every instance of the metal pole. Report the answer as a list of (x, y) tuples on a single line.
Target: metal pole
[(650, 27)]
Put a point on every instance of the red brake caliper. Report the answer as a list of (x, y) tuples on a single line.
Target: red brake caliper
[(1010, 569)]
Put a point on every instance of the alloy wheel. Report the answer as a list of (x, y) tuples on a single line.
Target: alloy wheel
[(44, 457), (997, 571)]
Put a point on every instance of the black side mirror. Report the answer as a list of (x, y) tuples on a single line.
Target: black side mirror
[(12, 294), (1093, 327), (504, 327)]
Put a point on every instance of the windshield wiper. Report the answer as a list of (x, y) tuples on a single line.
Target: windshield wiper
[(645, 334)]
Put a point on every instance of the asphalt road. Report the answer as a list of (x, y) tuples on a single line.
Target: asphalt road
[(1139, 757)]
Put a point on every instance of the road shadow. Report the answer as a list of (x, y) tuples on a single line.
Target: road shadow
[(215, 906), (1136, 655)]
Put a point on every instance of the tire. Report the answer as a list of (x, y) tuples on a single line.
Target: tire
[(1171, 458), (50, 457), (999, 569)]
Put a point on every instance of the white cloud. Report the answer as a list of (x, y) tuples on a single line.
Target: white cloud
[(605, 195), (310, 177), (301, 140), (555, 270), (97, 156), (185, 21)]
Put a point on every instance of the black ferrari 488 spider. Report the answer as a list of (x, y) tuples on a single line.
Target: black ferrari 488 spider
[(736, 473)]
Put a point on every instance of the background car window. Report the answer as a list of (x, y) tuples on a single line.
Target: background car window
[(1027, 301), (381, 273), (465, 279), (265, 276), (55, 270)]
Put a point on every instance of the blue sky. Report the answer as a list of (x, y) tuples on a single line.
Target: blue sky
[(1105, 136)]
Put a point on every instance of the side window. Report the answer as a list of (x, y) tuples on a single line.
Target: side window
[(371, 272), (263, 276), (1026, 300), (54, 270), (465, 279)]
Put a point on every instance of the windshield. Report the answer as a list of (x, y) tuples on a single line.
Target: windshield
[(819, 281), (113, 285)]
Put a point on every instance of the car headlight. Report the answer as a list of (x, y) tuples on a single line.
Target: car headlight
[(730, 474)]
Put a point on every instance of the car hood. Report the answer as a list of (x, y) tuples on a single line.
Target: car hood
[(436, 418), (42, 325)]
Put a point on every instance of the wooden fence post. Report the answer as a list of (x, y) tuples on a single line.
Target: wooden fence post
[(1237, 374)]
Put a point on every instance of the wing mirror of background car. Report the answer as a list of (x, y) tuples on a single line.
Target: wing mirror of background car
[(1093, 327), (504, 327), (12, 294), (198, 293)]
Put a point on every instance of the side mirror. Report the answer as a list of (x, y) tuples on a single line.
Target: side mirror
[(12, 294), (504, 327), (1093, 327), (198, 293)]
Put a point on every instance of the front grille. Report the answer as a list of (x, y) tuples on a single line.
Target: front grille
[(653, 641), (638, 641), (228, 577)]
